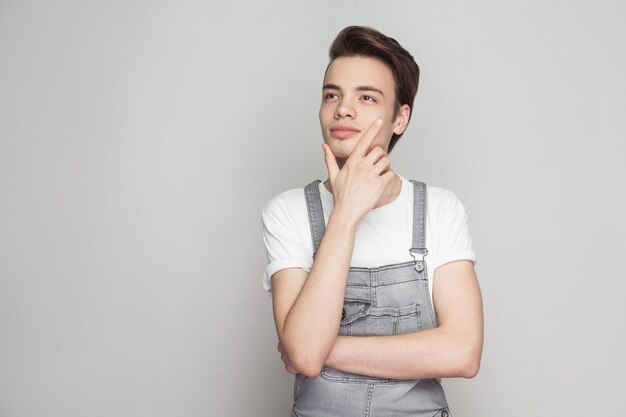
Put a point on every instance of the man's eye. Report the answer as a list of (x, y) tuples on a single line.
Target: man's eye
[(330, 96), (369, 98)]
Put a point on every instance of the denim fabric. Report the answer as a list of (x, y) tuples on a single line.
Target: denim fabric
[(387, 300)]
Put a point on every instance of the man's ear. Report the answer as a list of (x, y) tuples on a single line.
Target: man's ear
[(402, 119)]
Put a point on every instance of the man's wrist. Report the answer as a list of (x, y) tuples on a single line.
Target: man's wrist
[(333, 356), (343, 220)]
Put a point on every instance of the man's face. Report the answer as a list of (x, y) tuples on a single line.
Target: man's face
[(357, 91)]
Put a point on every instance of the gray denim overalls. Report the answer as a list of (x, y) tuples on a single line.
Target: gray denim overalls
[(381, 301)]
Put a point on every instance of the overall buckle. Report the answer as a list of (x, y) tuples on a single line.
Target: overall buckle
[(418, 255)]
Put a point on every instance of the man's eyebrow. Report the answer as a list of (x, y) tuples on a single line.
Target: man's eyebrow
[(370, 88), (331, 87), (359, 88)]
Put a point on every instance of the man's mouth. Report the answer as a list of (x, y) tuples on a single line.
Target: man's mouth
[(343, 132)]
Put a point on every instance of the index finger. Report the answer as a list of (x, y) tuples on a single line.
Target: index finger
[(366, 140)]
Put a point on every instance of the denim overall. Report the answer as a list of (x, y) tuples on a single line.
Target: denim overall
[(386, 300)]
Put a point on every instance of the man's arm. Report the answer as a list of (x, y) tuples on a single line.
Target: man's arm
[(307, 309), (453, 349)]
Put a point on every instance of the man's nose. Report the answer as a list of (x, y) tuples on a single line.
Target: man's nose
[(344, 109)]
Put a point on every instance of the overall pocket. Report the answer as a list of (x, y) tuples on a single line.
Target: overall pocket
[(360, 319)]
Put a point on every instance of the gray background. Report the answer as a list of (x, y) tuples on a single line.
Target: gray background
[(141, 139)]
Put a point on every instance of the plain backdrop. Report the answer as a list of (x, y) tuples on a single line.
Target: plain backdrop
[(139, 141)]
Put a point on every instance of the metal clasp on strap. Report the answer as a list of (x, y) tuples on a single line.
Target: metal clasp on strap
[(418, 255)]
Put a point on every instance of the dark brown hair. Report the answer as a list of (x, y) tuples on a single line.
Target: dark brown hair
[(365, 41)]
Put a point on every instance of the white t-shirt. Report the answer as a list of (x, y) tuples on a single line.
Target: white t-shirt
[(383, 236)]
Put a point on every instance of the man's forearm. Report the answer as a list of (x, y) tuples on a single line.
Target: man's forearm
[(434, 353), (312, 324)]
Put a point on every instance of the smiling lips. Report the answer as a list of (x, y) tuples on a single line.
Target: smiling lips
[(343, 132)]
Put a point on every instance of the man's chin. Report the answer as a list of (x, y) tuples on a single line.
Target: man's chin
[(342, 150)]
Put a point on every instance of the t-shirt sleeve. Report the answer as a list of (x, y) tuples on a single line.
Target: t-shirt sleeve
[(283, 241), (454, 242)]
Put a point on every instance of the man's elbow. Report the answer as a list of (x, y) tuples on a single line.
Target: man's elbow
[(468, 364), (306, 364), (310, 372), (471, 368), (308, 368)]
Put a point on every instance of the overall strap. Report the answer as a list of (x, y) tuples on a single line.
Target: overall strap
[(418, 247), (316, 213)]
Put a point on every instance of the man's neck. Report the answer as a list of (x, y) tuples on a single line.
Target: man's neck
[(391, 192)]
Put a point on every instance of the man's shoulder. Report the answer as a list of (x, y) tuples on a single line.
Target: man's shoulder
[(439, 194), (440, 199), (443, 203), (292, 196), (435, 195), (286, 203)]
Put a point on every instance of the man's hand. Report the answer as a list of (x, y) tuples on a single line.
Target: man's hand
[(360, 183)]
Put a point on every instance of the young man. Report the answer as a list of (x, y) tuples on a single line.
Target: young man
[(372, 277)]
